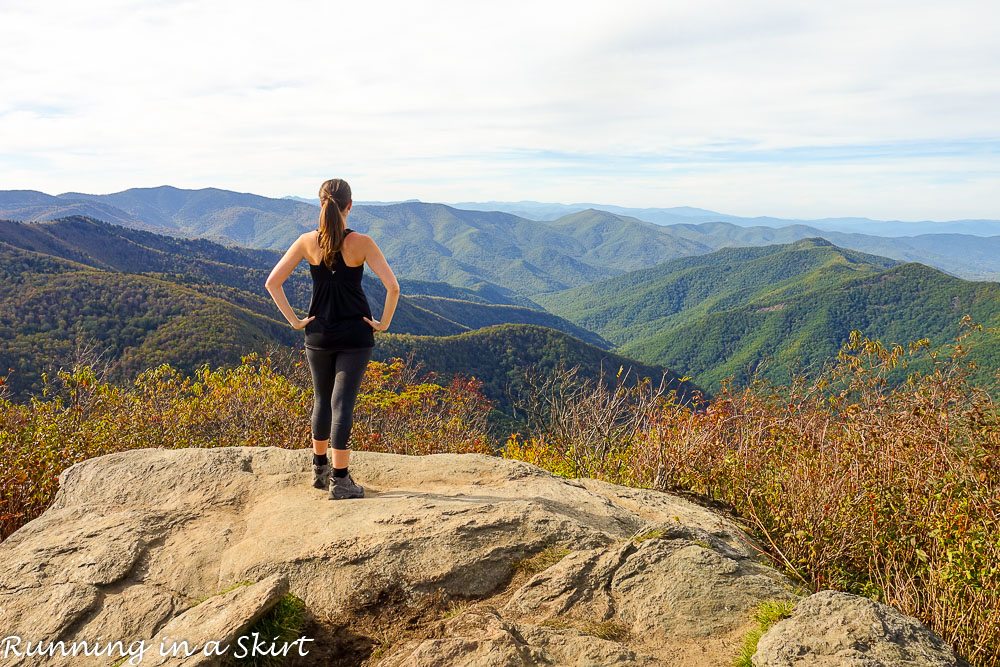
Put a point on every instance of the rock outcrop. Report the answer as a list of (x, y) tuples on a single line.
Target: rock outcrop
[(832, 629), (448, 560)]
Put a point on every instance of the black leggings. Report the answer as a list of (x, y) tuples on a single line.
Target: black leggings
[(336, 376)]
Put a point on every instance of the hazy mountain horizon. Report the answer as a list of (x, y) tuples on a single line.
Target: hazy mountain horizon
[(576, 245), (547, 211)]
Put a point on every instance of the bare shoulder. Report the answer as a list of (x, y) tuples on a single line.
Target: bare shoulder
[(360, 240), (298, 245)]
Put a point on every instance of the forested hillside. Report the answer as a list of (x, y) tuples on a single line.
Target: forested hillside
[(52, 308), (141, 299), (789, 305), (499, 355)]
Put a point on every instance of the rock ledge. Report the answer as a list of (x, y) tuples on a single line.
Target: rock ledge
[(435, 566)]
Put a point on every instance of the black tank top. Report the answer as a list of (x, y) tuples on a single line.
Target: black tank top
[(339, 303)]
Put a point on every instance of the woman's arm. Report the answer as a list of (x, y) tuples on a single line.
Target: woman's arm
[(376, 261), (279, 274)]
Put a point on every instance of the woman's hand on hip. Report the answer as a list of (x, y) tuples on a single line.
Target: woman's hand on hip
[(301, 324), (375, 324)]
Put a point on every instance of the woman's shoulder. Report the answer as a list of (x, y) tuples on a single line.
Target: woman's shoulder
[(356, 238)]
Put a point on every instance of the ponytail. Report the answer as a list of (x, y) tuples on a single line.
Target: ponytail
[(334, 196)]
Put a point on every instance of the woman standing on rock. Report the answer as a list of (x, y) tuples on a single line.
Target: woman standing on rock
[(339, 329)]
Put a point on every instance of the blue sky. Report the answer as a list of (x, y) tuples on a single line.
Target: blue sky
[(878, 109)]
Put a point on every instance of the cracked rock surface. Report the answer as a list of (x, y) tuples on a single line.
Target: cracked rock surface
[(833, 629), (427, 569)]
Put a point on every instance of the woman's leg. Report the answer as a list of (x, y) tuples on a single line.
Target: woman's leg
[(349, 372), (321, 366)]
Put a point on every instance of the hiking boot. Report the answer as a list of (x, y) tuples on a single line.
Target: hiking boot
[(321, 475), (344, 487)]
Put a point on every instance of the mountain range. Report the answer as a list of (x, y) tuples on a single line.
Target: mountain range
[(706, 299), (689, 215), (220, 215), (148, 299), (502, 253)]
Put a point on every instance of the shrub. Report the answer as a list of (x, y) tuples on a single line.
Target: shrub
[(265, 401), (890, 492)]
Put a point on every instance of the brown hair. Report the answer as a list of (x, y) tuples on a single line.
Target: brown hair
[(334, 196)]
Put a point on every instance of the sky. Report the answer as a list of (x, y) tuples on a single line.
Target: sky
[(879, 109)]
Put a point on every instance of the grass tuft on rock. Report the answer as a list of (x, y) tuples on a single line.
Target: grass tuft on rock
[(543, 560), (455, 608), (611, 631), (767, 614), (653, 534), (283, 623)]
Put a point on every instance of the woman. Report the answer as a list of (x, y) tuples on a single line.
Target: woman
[(339, 329)]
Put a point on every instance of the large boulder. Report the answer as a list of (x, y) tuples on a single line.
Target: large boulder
[(450, 559), (834, 629)]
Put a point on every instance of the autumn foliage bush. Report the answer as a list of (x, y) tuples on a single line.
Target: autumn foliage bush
[(265, 401), (399, 412), (887, 491)]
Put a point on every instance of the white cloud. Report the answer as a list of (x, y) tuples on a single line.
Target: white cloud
[(644, 103)]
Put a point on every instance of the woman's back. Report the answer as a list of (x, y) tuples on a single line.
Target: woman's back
[(338, 302)]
